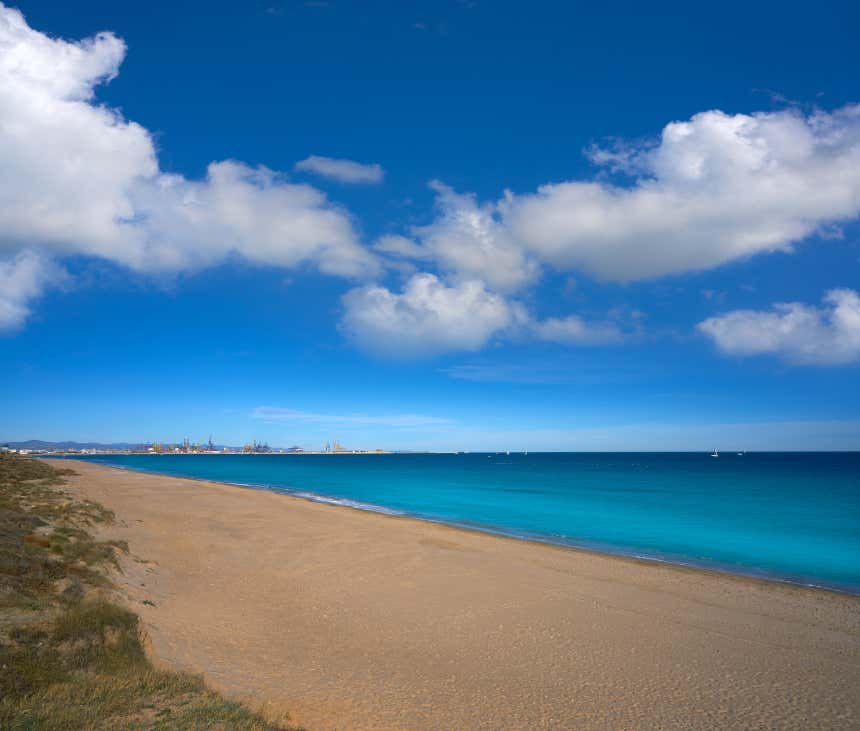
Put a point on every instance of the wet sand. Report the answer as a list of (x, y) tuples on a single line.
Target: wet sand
[(352, 620)]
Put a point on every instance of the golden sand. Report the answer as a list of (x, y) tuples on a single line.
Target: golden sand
[(352, 620)]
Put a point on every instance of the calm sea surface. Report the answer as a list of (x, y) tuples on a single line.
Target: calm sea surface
[(788, 516)]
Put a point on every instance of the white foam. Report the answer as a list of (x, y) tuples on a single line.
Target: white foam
[(343, 502)]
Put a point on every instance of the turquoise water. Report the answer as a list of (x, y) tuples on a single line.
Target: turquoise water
[(787, 516)]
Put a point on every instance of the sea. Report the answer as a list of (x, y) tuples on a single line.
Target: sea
[(791, 517)]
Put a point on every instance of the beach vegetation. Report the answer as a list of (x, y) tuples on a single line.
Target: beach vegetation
[(72, 656)]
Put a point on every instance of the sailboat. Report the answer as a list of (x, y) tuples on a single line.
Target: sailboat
[(715, 454)]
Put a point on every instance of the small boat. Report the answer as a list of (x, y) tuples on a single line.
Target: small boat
[(715, 454)]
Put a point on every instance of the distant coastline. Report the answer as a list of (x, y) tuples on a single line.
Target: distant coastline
[(36, 447)]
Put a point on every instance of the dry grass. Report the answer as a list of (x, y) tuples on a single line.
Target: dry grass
[(69, 657)]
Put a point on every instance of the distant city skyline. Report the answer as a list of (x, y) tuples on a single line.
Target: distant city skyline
[(442, 226)]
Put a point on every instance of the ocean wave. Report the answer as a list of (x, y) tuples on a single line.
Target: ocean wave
[(343, 502)]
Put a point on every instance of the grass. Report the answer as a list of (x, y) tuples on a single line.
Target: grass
[(70, 657)]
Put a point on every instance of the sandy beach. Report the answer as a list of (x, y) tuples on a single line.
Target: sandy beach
[(354, 620)]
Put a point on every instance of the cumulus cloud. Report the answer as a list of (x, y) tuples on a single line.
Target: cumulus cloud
[(250, 211), (468, 242), (430, 317), (712, 189), (80, 179), (22, 279), (799, 333), (345, 171), (716, 188), (427, 318), (68, 164)]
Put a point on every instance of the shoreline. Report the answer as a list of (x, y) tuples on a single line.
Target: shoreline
[(606, 551), (350, 620)]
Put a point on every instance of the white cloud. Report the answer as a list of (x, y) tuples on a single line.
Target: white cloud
[(22, 279), (468, 242), (80, 179), (573, 330), (828, 335), (580, 370), (428, 318), (250, 211), (68, 164), (620, 156), (345, 171), (431, 317), (275, 413), (400, 246), (714, 189)]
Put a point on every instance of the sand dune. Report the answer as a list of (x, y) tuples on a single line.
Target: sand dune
[(352, 620)]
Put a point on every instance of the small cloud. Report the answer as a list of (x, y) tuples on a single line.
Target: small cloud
[(23, 279), (427, 318), (798, 333), (573, 330), (540, 373), (618, 156), (400, 246), (345, 171), (509, 373), (777, 98)]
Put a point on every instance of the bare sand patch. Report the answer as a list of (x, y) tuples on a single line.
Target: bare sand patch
[(352, 620)]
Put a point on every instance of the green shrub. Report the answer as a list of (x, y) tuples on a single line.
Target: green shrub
[(69, 663)]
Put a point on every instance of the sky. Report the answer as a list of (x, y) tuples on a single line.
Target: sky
[(457, 225)]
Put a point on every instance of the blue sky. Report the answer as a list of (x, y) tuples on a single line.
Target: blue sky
[(448, 225)]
